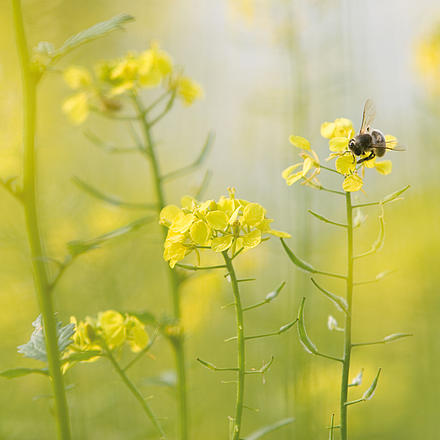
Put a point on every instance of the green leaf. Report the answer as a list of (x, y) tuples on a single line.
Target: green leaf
[(303, 337), (92, 33), (35, 348), (82, 356), (78, 247), (20, 372), (296, 260), (339, 302), (370, 392), (269, 428), (394, 196), (109, 198), (395, 337)]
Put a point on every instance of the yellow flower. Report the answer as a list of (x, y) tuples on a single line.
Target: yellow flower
[(77, 77), (300, 171), (112, 327), (137, 337), (352, 183), (427, 60), (77, 107), (188, 90), (154, 65), (125, 74), (341, 127), (229, 223), (110, 330)]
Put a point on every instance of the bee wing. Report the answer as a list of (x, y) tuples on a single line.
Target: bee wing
[(391, 148), (368, 115)]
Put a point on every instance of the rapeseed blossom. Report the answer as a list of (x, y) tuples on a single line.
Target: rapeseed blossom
[(112, 79), (228, 224), (110, 330)]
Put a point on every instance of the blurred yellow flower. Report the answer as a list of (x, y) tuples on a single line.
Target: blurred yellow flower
[(229, 223), (352, 183), (110, 330), (77, 77), (77, 107), (427, 60), (188, 90)]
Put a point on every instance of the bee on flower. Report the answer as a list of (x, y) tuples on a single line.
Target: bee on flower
[(112, 79), (342, 143), (228, 224)]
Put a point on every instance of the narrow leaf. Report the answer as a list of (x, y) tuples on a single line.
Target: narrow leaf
[(370, 392), (272, 295), (393, 196), (78, 247), (269, 428), (326, 220), (303, 337), (339, 302), (92, 33), (296, 260), (109, 198), (20, 372), (395, 337), (82, 356)]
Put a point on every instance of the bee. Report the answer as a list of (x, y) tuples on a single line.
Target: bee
[(370, 140)]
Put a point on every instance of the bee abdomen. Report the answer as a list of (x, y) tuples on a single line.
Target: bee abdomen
[(378, 142)]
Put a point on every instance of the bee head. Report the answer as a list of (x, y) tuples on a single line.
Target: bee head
[(355, 147)]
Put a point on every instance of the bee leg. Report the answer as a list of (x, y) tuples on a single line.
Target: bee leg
[(371, 156)]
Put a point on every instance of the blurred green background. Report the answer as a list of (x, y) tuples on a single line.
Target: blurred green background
[(269, 69)]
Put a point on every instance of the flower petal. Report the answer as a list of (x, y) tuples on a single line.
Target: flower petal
[(352, 183), (338, 144), (384, 167), (220, 244), (327, 129), (345, 164), (300, 142), (217, 220)]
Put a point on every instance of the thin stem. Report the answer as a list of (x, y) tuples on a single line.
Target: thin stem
[(29, 83), (241, 365), (136, 393), (349, 297), (178, 342)]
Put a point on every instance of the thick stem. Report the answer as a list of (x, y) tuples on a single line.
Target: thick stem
[(41, 282), (148, 411), (348, 317), (178, 342), (241, 364)]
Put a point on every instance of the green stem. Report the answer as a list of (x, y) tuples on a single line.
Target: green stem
[(178, 342), (130, 385), (241, 365), (41, 281), (348, 316)]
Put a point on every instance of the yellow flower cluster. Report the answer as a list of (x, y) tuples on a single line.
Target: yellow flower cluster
[(427, 60), (149, 69), (227, 224), (110, 329), (339, 132)]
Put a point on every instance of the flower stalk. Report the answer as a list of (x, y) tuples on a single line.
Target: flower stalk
[(29, 79), (348, 317), (241, 353), (178, 342), (136, 393)]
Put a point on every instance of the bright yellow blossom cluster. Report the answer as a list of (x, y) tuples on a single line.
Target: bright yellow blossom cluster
[(428, 60), (227, 224), (339, 132), (109, 330), (113, 78)]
